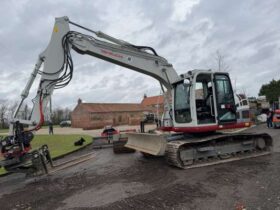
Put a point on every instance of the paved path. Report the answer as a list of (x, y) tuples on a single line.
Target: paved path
[(96, 132)]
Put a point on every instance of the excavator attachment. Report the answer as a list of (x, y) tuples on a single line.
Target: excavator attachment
[(153, 144), (32, 163)]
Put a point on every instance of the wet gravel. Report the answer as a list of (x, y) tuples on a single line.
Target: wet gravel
[(129, 181)]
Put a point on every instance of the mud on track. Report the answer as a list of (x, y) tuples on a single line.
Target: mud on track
[(129, 181)]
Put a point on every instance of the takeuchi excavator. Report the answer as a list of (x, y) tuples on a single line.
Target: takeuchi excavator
[(197, 104)]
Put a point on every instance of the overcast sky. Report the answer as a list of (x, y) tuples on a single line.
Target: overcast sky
[(187, 33)]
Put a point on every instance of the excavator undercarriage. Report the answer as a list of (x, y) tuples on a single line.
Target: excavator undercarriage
[(219, 148), (191, 151)]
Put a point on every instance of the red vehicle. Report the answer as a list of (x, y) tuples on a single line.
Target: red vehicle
[(109, 131), (118, 142), (276, 118)]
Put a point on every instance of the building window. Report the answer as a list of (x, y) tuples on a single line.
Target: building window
[(94, 117)]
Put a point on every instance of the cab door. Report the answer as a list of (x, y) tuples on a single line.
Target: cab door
[(224, 95)]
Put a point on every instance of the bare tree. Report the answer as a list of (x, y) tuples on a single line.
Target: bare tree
[(220, 62), (12, 109), (60, 114), (57, 115), (67, 114), (243, 90), (3, 113)]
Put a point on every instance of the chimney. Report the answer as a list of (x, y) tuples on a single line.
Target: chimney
[(145, 95), (79, 101)]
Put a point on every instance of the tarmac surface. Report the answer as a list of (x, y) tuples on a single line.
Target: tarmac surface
[(129, 181)]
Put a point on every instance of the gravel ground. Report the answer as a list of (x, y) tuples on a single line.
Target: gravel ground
[(129, 181)]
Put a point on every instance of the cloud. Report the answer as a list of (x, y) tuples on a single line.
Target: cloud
[(186, 33), (182, 9)]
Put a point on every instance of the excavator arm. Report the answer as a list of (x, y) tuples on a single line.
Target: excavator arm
[(54, 68), (58, 66), (56, 73)]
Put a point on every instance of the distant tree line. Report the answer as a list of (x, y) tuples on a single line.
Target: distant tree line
[(271, 90), (7, 110), (60, 114), (6, 113)]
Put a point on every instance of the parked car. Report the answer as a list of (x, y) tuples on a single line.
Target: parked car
[(65, 123)]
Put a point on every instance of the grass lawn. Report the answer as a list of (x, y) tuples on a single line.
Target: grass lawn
[(58, 144), (4, 130), (2, 171)]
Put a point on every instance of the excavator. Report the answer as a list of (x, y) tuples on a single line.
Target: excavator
[(197, 104)]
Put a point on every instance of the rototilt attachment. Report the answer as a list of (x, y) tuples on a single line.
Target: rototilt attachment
[(31, 163), (18, 156)]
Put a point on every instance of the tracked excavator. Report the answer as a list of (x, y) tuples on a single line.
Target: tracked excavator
[(197, 104)]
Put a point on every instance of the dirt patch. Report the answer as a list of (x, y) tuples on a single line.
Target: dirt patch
[(163, 198), (105, 194)]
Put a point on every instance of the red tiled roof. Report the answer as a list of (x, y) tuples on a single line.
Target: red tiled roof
[(112, 107), (153, 100)]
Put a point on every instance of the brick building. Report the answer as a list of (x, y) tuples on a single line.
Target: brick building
[(156, 103), (98, 115)]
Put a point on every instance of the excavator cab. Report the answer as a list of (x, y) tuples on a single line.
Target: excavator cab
[(203, 101)]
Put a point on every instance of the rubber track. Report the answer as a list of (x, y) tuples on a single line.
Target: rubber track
[(173, 150)]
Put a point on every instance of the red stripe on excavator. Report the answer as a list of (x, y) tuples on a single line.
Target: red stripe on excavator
[(208, 128)]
